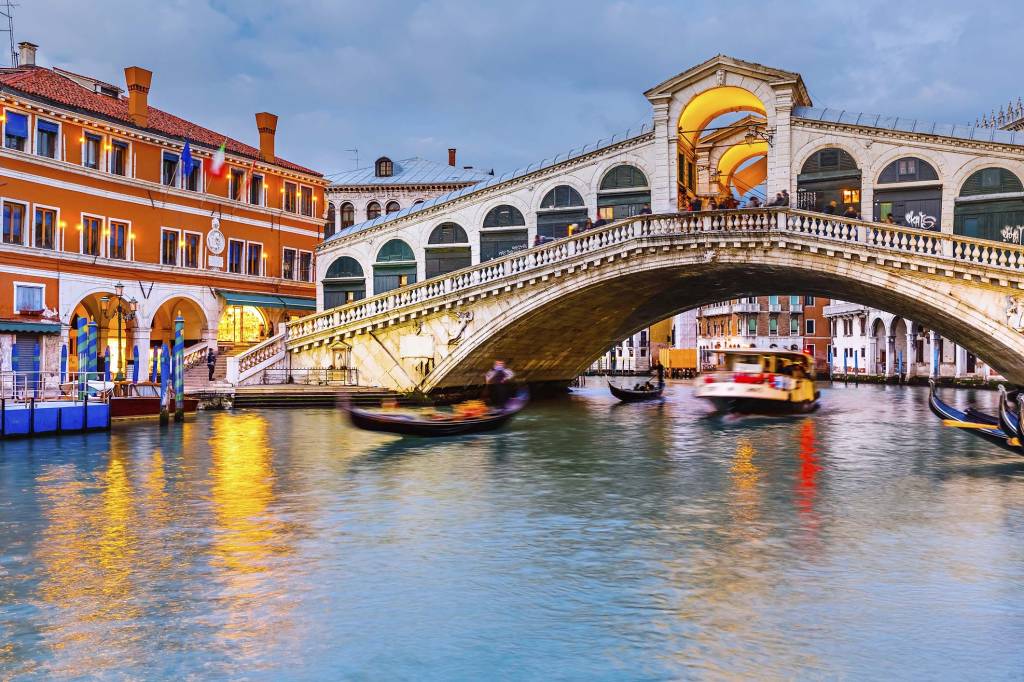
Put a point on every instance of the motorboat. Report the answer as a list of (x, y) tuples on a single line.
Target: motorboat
[(437, 424), (758, 381), (130, 400)]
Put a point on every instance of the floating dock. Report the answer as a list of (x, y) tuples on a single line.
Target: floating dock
[(19, 419)]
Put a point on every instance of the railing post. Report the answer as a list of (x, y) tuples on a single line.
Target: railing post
[(232, 370), (705, 222), (947, 246)]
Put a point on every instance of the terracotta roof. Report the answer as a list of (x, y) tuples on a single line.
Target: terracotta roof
[(42, 82)]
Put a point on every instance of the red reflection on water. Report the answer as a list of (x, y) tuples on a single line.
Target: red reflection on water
[(807, 482)]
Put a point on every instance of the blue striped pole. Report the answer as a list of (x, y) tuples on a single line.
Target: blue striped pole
[(154, 355), (165, 382), (92, 348), (35, 370), (64, 363), (81, 345), (135, 364), (106, 363), (179, 368)]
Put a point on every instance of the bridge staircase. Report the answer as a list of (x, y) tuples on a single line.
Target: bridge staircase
[(298, 395)]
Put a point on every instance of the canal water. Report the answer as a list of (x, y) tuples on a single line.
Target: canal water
[(588, 541)]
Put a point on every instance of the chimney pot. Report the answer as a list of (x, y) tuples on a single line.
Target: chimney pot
[(27, 53), (138, 81), (266, 124), (451, 156)]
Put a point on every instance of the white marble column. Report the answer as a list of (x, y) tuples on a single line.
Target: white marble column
[(871, 365), (890, 355), (911, 359), (961, 362), (140, 338), (934, 359)]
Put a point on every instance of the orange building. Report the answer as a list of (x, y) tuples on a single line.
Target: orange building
[(94, 192)]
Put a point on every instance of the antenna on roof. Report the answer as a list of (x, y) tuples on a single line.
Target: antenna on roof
[(356, 153), (7, 12)]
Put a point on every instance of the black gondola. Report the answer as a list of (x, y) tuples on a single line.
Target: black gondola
[(409, 425), (629, 395), (971, 416), (1009, 414)]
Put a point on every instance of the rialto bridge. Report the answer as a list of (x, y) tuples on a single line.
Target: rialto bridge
[(427, 297)]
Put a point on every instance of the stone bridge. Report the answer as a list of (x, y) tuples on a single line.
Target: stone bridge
[(551, 310)]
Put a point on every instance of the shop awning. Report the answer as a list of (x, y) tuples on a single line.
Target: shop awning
[(267, 300), (17, 327)]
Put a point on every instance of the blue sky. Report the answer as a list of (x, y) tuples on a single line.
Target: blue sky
[(509, 83)]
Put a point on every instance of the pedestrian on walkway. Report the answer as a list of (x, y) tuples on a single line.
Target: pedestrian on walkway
[(211, 361)]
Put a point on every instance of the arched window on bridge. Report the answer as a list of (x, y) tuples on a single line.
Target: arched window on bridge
[(372, 210), (329, 222), (503, 232), (624, 192), (561, 207), (395, 267), (344, 282), (393, 207), (991, 206), (917, 206), (447, 250), (348, 215), (830, 174)]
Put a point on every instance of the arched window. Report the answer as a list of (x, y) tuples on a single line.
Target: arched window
[(395, 251), (417, 202), (908, 169), (504, 216), (392, 207), (344, 282), (329, 221), (348, 214), (372, 210), (448, 233), (383, 168), (829, 159), (829, 175), (990, 206), (991, 181), (623, 177), (562, 196)]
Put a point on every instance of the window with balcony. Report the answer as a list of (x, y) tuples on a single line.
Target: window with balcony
[(169, 169), (190, 245), (809, 327), (169, 246), (794, 302), (47, 133), (194, 181), (16, 131), (119, 157), (306, 200), (236, 183), (14, 222), (28, 297), (254, 259), (236, 253), (117, 240), (289, 197), (92, 228), (288, 264), (773, 300), (91, 147), (45, 234), (256, 190)]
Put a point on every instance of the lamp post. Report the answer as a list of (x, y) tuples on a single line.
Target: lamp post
[(125, 311)]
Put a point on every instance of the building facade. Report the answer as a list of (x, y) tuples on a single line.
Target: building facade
[(97, 189)]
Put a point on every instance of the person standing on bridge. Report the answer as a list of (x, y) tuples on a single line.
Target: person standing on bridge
[(211, 361), (785, 198), (851, 212), (832, 208)]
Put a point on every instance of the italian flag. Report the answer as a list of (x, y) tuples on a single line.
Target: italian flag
[(217, 167)]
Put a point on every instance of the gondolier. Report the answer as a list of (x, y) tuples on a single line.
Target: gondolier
[(498, 380)]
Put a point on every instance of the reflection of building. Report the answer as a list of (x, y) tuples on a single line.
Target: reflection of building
[(868, 341), (97, 189), (786, 322)]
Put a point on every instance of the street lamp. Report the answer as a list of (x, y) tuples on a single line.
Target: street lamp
[(125, 312)]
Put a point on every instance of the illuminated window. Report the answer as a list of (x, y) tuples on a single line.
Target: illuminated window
[(289, 197), (117, 240), (254, 259), (45, 228), (91, 151), (851, 196), (91, 228), (288, 264), (169, 246), (190, 250), (306, 200)]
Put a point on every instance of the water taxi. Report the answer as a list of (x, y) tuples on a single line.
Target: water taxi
[(762, 382)]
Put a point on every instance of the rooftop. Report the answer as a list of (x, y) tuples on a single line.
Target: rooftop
[(65, 89), (414, 171), (910, 125)]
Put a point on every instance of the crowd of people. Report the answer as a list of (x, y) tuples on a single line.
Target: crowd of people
[(588, 224)]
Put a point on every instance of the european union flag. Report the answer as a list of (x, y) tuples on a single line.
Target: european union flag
[(186, 160)]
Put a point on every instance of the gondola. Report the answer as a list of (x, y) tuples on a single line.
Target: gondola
[(971, 416), (629, 395), (409, 425), (1009, 414)]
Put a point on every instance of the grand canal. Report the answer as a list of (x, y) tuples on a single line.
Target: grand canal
[(588, 541)]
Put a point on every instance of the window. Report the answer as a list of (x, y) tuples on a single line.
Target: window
[(28, 297), (45, 228), (907, 167), (329, 222), (119, 157), (305, 266), (809, 349), (990, 178), (117, 240), (448, 233), (256, 190), (169, 246), (91, 228), (752, 326), (348, 215), (14, 223), (794, 326), (194, 181), (16, 131), (190, 249), (169, 173), (372, 210), (773, 326), (289, 197), (561, 197), (851, 196), (306, 200), (383, 168), (773, 300), (392, 207), (288, 264), (254, 259), (808, 300), (809, 327), (46, 138), (91, 146), (236, 181), (794, 302), (504, 216), (236, 249), (623, 177)]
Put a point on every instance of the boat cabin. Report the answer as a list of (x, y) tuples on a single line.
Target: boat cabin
[(759, 362)]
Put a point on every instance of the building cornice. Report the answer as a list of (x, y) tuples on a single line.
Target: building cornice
[(903, 136)]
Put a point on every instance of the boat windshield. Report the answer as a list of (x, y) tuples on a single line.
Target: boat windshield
[(749, 364)]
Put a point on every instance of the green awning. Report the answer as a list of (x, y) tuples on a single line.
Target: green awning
[(267, 300), (28, 327)]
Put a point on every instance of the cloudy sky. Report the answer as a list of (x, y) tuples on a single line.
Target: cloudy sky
[(509, 83)]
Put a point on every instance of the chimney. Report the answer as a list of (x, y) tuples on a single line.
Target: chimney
[(138, 80), (27, 54), (267, 125), (451, 156)]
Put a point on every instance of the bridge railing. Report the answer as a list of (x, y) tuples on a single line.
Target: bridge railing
[(763, 220)]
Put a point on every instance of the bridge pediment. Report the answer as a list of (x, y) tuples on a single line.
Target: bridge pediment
[(725, 70)]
